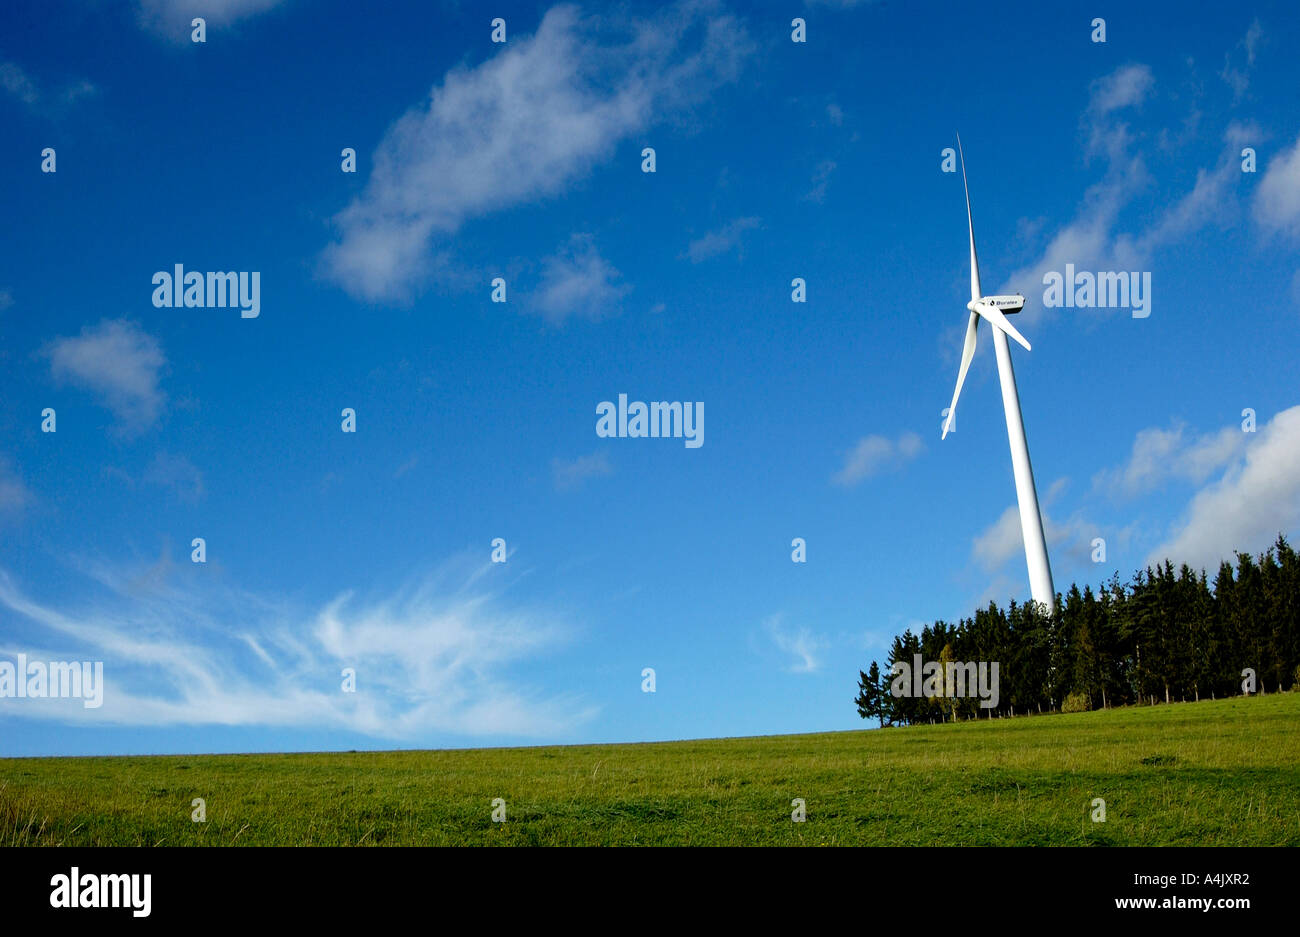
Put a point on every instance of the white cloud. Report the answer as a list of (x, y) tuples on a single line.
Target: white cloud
[(1209, 200), (1277, 197), (876, 454), (1091, 239), (177, 474), (572, 473), (577, 281), (801, 644), (1000, 589), (16, 82), (1162, 454), (1071, 539), (14, 494), (1127, 86), (522, 126), (721, 241), (433, 657), (21, 86), (1087, 240), (1256, 498), (1003, 540), (820, 180), (1239, 61), (172, 18), (998, 543), (119, 362)]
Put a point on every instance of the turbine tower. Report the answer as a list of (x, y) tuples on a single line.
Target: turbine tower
[(995, 310)]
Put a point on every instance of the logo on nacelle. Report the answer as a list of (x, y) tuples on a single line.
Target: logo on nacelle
[(1013, 303)]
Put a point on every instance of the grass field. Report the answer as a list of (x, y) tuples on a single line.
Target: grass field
[(1210, 773)]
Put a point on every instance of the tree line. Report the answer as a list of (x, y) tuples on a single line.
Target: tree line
[(1161, 637)]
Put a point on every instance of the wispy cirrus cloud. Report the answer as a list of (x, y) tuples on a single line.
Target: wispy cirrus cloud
[(1239, 61), (434, 656), (522, 126), (1089, 237), (1093, 238), (801, 646)]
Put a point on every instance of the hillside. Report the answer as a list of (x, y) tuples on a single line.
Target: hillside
[(1221, 772)]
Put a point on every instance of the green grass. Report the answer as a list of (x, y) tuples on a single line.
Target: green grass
[(1210, 773)]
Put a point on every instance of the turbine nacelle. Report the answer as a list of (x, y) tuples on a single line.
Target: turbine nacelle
[(992, 308), (1008, 304)]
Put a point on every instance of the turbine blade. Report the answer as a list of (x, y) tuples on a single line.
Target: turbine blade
[(995, 317), (967, 353), (970, 225)]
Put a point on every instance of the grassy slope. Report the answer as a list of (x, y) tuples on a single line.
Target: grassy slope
[(1211, 773)]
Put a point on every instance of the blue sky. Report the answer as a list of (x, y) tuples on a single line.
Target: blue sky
[(476, 420)]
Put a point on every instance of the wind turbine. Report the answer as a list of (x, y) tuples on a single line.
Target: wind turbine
[(995, 310)]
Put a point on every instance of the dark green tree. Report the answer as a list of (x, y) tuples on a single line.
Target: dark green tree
[(869, 691), (1163, 636)]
